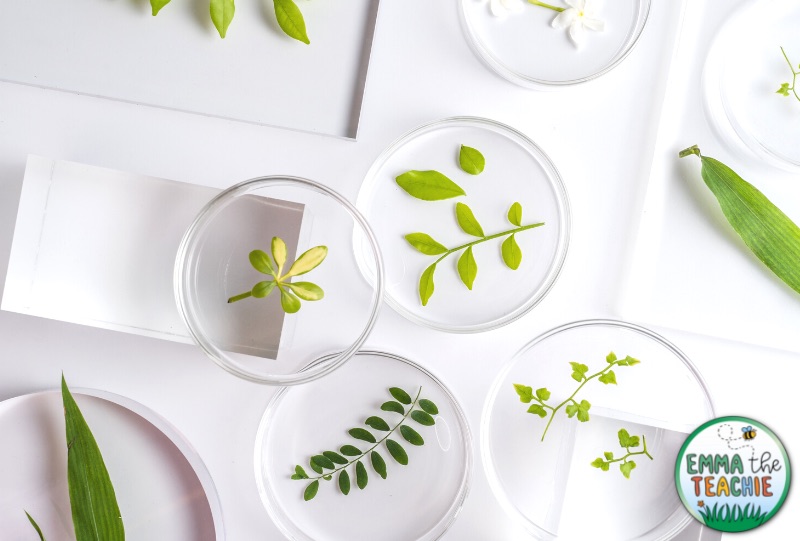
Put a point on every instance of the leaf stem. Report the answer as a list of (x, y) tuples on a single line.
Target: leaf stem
[(793, 88), (490, 237), (630, 454), (240, 296), (548, 6), (368, 451)]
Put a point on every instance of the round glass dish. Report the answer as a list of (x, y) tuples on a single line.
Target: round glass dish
[(523, 48), (517, 170), (549, 485), (744, 68), (303, 421), (254, 338)]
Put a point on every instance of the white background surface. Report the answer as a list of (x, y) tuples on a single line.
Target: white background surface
[(422, 69)]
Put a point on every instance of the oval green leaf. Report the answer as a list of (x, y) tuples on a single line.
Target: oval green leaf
[(361, 475), (279, 252), (335, 457), (424, 243), (429, 185), (422, 418), (289, 302), (411, 435), (428, 406), (323, 462), (314, 466), (396, 407), (306, 290), (311, 491), (307, 262), (400, 395), (222, 15), (512, 255), (300, 473), (362, 434), (471, 160), (261, 262), (263, 289), (467, 221), (349, 450), (397, 452), (426, 284), (467, 268), (291, 20), (515, 214), (377, 423), (378, 464), (344, 482)]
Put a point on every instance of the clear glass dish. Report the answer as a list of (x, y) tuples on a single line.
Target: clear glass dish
[(303, 421), (550, 486), (744, 69), (523, 48), (517, 170), (254, 338)]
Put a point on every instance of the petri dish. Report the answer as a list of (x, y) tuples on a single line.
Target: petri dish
[(523, 48), (549, 486), (305, 420), (516, 170), (255, 338), (163, 489), (743, 70)]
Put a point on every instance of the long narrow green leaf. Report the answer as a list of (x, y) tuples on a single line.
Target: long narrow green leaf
[(95, 513), (35, 526), (291, 21), (765, 229)]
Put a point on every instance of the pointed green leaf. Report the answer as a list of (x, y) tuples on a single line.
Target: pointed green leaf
[(580, 368), (156, 5), (512, 254), (525, 393), (467, 221), (536, 409), (429, 185), (422, 418), (471, 160), (626, 468), (628, 361), (314, 466), (424, 243), (377, 423), (397, 452), (400, 395), (263, 289), (361, 434), (222, 15), (543, 394), (289, 302), (467, 268), (411, 435), (335, 457), (261, 262), (300, 472), (378, 464), (349, 450), (291, 20), (306, 290), (611, 357), (279, 252), (361, 475), (311, 491), (95, 513), (608, 378), (344, 482), (323, 462), (426, 284), (33, 523), (577, 376), (515, 214), (428, 406), (609, 455), (393, 406), (308, 261)]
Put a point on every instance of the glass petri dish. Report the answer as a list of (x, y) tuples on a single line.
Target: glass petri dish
[(303, 421), (517, 170), (524, 48), (549, 485), (744, 68), (254, 338)]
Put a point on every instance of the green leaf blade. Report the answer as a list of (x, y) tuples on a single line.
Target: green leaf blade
[(511, 252), (307, 291), (308, 261), (515, 214), (323, 462), (425, 244), (626, 468), (537, 409), (525, 392), (400, 395), (289, 302), (378, 464), (156, 5), (335, 457), (261, 262), (428, 406), (467, 268), (279, 252), (291, 20), (429, 185), (397, 452), (361, 475), (426, 285), (422, 418), (35, 526), (471, 160), (377, 423), (263, 289), (221, 15), (361, 434), (300, 472), (393, 406), (311, 491), (467, 221), (609, 378), (411, 435), (344, 482), (350, 450), (543, 394)]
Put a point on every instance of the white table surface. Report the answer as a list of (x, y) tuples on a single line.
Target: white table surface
[(422, 69)]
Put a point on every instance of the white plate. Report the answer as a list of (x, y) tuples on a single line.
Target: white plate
[(163, 488)]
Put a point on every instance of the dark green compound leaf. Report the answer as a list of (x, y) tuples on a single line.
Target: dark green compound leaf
[(411, 435), (396, 407), (429, 185), (323, 462), (335, 457), (428, 406), (378, 464), (361, 434), (361, 475), (536, 409), (344, 482), (471, 160), (350, 450), (424, 243), (35, 526), (377, 423), (291, 20), (422, 418), (397, 452), (626, 468), (311, 491), (400, 395)]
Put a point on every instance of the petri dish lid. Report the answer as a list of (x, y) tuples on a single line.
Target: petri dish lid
[(516, 170), (744, 69), (523, 48), (254, 338), (306, 420), (548, 485)]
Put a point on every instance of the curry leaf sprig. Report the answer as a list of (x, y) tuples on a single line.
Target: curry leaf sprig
[(787, 87), (330, 463), (573, 408), (627, 442), (290, 291)]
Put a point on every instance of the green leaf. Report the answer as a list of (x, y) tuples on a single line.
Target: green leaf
[(311, 491), (765, 229), (279, 252), (327, 477), (261, 262), (397, 452), (411, 435), (300, 472), (391, 405), (583, 411), (429, 185), (628, 361), (424, 243), (626, 440), (428, 406), (600, 463), (471, 160), (308, 261), (95, 513), (361, 434), (349, 450), (467, 221), (571, 410), (222, 15), (344, 482), (263, 289), (422, 418), (323, 462), (536, 409), (156, 5), (543, 394), (626, 468), (289, 302), (314, 466), (35, 526), (611, 358), (525, 393), (608, 378), (361, 475), (467, 268), (377, 423), (400, 395), (579, 368), (783, 90), (512, 254), (306, 290), (609, 455), (291, 21), (335, 457), (515, 214), (426, 284), (378, 464)]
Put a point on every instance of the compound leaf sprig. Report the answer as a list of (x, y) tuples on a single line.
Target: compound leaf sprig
[(786, 87), (571, 406), (627, 442), (330, 463)]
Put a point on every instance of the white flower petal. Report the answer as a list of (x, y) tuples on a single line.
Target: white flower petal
[(565, 18), (580, 5), (513, 6), (496, 6), (577, 33), (594, 24), (571, 3)]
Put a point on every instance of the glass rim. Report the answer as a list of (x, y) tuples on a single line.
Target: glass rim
[(183, 274), (555, 181)]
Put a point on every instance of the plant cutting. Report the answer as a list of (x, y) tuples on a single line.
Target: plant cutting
[(787, 87), (578, 17), (330, 463), (627, 442)]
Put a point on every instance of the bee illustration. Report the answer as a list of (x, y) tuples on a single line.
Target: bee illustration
[(748, 432)]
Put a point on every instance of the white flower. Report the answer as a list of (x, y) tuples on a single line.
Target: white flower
[(501, 8), (578, 17)]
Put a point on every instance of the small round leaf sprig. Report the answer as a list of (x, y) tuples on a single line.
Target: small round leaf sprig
[(789, 87), (627, 442)]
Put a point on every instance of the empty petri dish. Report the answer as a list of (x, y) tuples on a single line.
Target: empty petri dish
[(753, 54), (516, 171), (305, 421), (540, 467), (524, 48), (320, 306)]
